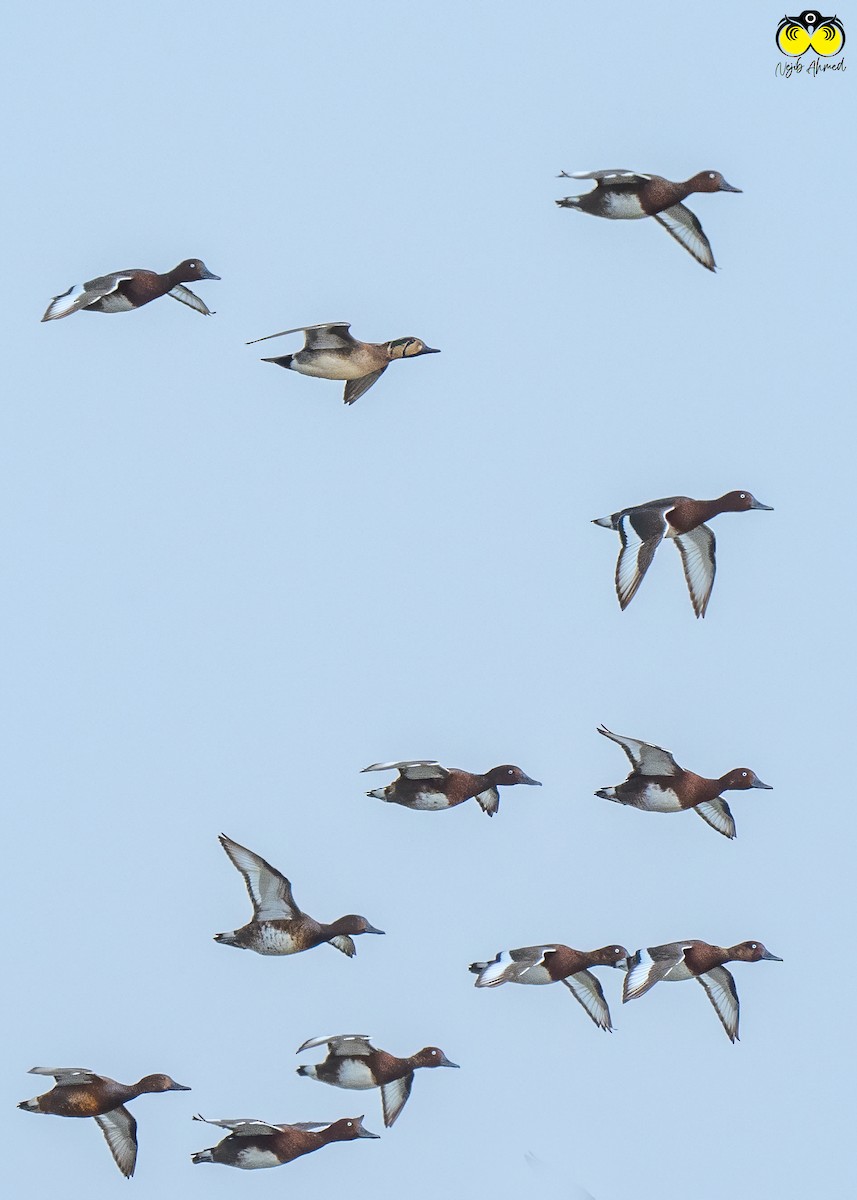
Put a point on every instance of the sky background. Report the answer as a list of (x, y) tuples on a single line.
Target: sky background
[(225, 593)]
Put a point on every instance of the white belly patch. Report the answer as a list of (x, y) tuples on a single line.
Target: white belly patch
[(353, 1073), (658, 799), (252, 1159), (623, 205)]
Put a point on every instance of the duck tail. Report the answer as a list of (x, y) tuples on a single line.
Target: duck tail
[(284, 360), (378, 794), (568, 202), (604, 522), (608, 793), (308, 1071), (477, 968), (203, 1156), (227, 939), (30, 1105)]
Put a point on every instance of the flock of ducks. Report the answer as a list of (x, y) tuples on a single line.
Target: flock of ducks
[(656, 782)]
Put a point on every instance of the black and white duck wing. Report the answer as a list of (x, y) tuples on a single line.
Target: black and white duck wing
[(345, 1044), (641, 531), (120, 1133), (394, 1096), (417, 768), (645, 758), (241, 1126), (610, 176), (649, 966), (697, 558), (720, 989), (718, 815), (65, 1076), (82, 295), (684, 226), (269, 890), (586, 989), (186, 296)]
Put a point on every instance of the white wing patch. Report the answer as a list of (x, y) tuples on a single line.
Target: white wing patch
[(120, 1133), (270, 892), (186, 296), (393, 1097), (697, 558), (720, 988), (587, 990), (718, 815), (681, 224)]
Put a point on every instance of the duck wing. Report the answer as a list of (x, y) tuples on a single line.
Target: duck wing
[(355, 388), (587, 991), (680, 223), (611, 176), (242, 1126), (418, 768), (720, 989), (489, 800), (120, 1133), (269, 891), (186, 296), (718, 815), (333, 335), (82, 295), (645, 758), (641, 531), (697, 558), (341, 1044), (67, 1075), (648, 967), (394, 1095)]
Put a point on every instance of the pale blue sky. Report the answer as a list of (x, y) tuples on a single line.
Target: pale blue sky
[(225, 593)]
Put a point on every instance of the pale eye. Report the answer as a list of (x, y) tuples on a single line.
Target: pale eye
[(743, 496), (744, 773), (753, 946), (711, 175)]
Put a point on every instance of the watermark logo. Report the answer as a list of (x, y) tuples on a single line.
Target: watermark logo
[(824, 36)]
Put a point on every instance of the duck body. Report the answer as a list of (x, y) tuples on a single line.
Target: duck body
[(123, 291), (79, 1092), (426, 786), (331, 352), (643, 527), (354, 1063), (555, 963), (279, 926), (658, 784), (252, 1145), (625, 195), (702, 961)]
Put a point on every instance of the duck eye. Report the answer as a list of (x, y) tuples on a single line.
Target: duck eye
[(712, 175), (743, 496), (753, 946)]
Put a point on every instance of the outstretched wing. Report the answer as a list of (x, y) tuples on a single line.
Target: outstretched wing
[(242, 1126), (82, 295), (66, 1075), (331, 336), (489, 800), (720, 990), (270, 892), (393, 1097), (355, 388), (120, 1133), (186, 296), (644, 758), (611, 176), (681, 224), (718, 815), (648, 967), (587, 991), (697, 558), (340, 1043), (641, 532), (418, 768)]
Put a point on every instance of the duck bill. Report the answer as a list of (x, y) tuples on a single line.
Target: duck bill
[(762, 507), (429, 350), (445, 1062), (206, 274), (771, 957), (179, 1087), (757, 783), (372, 929), (531, 782), (727, 187)]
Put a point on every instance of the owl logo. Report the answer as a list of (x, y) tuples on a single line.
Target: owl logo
[(796, 35)]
